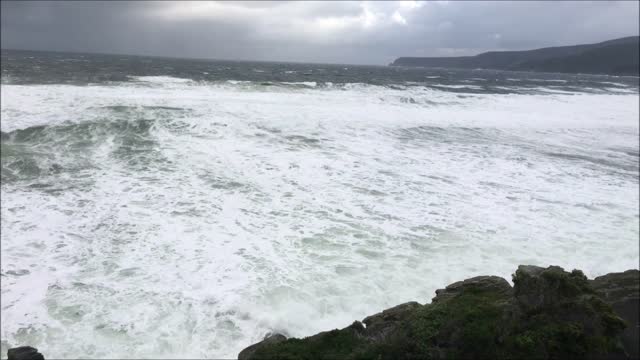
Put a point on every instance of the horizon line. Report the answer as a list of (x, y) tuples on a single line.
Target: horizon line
[(188, 58)]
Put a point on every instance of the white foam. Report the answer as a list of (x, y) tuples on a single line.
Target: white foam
[(474, 87), (305, 83), (300, 210), (617, 84), (162, 79), (236, 82)]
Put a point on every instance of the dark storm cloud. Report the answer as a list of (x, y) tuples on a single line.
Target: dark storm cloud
[(348, 32)]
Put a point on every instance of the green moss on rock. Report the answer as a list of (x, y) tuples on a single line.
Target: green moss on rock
[(334, 344), (548, 314)]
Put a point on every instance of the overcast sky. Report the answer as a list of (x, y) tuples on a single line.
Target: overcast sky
[(335, 32)]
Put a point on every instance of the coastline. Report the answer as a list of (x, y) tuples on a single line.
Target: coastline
[(548, 313)]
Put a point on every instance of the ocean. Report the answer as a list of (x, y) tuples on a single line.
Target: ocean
[(172, 208)]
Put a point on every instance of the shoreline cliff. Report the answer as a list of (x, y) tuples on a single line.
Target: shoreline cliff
[(548, 314)]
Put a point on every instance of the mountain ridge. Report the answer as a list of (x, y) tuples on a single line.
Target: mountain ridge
[(612, 57)]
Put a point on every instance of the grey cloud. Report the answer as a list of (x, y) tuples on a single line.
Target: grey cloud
[(343, 32)]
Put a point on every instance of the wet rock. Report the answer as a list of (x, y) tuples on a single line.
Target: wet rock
[(548, 314), (270, 339), (479, 283), (24, 353), (562, 316), (622, 292), (537, 287), (395, 313)]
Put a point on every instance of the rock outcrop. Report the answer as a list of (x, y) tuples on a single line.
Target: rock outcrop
[(548, 314), (622, 292), (269, 339), (24, 353)]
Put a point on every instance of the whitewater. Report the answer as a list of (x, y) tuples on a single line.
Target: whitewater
[(166, 216)]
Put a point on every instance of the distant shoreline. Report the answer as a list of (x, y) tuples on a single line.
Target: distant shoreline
[(614, 57)]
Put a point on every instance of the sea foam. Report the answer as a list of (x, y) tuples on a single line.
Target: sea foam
[(188, 219)]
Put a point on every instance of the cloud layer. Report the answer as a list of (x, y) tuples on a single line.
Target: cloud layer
[(337, 32)]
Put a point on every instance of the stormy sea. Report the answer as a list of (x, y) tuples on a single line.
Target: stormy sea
[(172, 208)]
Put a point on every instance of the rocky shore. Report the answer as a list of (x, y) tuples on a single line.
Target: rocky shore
[(549, 313)]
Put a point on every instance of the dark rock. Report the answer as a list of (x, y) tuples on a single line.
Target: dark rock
[(24, 353), (357, 327), (537, 287), (270, 339), (563, 317), (548, 314), (622, 292), (395, 313), (382, 324), (478, 283)]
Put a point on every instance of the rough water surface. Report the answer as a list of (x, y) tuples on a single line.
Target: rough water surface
[(173, 208)]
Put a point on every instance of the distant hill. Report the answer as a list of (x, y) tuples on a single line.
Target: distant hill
[(614, 57)]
